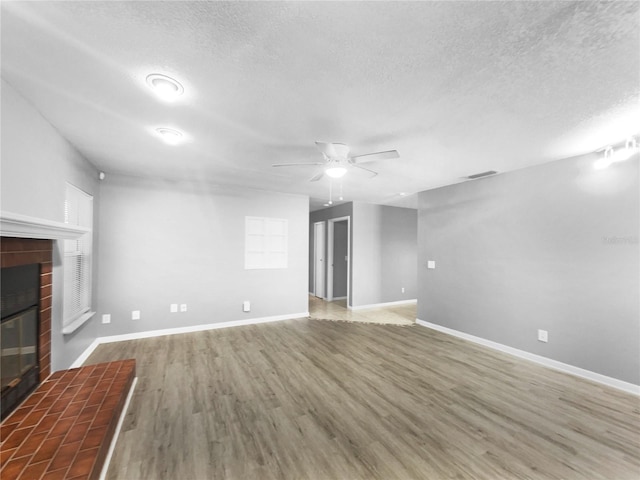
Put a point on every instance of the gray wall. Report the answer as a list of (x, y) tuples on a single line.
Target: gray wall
[(36, 164), (399, 254), (166, 242), (340, 263), (384, 254), (551, 247)]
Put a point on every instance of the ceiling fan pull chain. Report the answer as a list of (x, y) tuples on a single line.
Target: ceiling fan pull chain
[(330, 192)]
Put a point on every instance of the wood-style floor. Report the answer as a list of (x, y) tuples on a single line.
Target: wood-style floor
[(309, 399)]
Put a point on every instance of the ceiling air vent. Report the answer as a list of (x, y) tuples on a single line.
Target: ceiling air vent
[(483, 174)]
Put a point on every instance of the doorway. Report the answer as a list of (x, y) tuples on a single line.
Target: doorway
[(338, 259)]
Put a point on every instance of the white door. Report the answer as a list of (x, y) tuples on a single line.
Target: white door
[(319, 263)]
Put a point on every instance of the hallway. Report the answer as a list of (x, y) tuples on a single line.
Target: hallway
[(403, 314)]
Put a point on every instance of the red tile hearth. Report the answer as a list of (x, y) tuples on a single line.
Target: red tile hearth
[(64, 429)]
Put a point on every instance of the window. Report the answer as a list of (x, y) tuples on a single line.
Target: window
[(265, 243), (78, 210)]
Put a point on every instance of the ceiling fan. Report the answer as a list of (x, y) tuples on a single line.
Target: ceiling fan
[(337, 160)]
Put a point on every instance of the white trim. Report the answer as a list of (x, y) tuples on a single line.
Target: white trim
[(86, 354), (23, 226), (544, 361), (329, 266), (319, 246), (116, 434), (174, 331), (77, 323), (338, 298), (199, 328), (386, 304)]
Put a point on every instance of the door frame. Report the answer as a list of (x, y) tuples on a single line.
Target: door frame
[(330, 234), (319, 264)]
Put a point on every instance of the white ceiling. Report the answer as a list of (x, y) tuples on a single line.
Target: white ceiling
[(456, 87)]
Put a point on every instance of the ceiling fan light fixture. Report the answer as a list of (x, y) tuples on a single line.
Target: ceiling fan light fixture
[(341, 150), (165, 87), (336, 172)]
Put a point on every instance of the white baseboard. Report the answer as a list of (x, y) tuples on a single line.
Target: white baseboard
[(338, 298), (84, 355), (105, 467), (173, 331), (547, 362), (386, 304)]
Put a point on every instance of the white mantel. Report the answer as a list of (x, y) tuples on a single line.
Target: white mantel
[(23, 226)]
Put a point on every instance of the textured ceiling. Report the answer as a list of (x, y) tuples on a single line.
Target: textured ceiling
[(456, 87)]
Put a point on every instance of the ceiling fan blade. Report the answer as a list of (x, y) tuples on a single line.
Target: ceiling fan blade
[(327, 149), (296, 164), (317, 177), (364, 168), (374, 157)]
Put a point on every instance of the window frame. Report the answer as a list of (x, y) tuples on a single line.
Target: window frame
[(266, 243), (77, 260)]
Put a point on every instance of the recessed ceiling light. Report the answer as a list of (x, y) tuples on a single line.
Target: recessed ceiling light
[(170, 135), (165, 87)]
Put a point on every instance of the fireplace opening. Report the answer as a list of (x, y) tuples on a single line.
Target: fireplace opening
[(19, 311)]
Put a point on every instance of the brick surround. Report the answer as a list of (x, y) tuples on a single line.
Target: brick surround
[(24, 251)]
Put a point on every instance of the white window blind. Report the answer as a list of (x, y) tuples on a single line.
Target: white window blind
[(78, 210), (265, 243)]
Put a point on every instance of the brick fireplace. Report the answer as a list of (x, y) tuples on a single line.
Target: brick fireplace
[(16, 252), (65, 427)]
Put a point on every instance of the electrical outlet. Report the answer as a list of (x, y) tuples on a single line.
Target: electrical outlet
[(173, 308), (183, 307), (543, 336), (402, 289), (106, 318), (246, 306), (135, 315), (431, 264)]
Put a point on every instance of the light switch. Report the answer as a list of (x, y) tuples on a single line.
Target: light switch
[(183, 307), (431, 264)]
